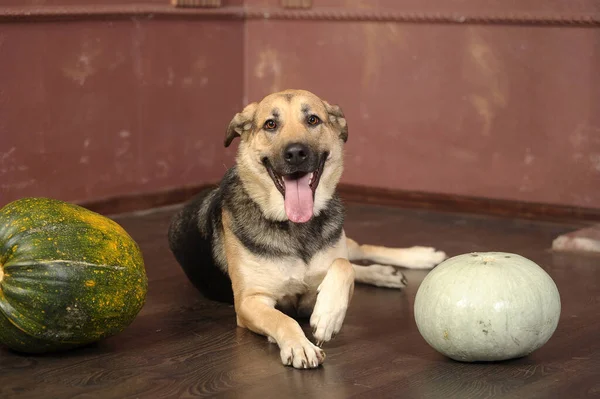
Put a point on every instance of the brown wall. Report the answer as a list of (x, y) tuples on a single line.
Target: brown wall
[(101, 109), (107, 107), (504, 111)]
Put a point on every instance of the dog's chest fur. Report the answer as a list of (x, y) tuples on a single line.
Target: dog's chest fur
[(291, 281), (280, 240), (294, 275), (284, 258)]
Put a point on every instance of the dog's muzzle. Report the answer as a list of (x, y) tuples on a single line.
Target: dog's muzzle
[(296, 174)]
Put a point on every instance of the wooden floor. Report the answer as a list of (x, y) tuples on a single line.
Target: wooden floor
[(184, 346)]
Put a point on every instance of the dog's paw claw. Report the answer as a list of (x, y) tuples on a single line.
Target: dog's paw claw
[(301, 354), (326, 323)]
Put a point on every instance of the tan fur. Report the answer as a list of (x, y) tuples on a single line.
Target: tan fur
[(416, 257), (322, 288), (256, 144)]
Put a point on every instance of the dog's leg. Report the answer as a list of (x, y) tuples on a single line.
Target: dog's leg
[(412, 258), (334, 294), (380, 276), (258, 314), (255, 307), (377, 275)]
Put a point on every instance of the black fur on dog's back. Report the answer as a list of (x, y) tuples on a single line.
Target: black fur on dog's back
[(190, 239), (196, 234)]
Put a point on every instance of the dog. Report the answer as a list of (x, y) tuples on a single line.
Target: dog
[(270, 237)]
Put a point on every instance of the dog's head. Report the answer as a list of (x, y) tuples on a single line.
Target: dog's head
[(290, 158)]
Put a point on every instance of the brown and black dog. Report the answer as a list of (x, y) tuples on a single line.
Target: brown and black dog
[(270, 238)]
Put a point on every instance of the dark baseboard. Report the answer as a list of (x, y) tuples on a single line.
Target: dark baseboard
[(143, 201), (375, 196)]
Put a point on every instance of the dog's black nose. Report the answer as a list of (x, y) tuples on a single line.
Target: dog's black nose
[(295, 154)]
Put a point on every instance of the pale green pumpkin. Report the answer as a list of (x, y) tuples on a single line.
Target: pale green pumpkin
[(487, 307)]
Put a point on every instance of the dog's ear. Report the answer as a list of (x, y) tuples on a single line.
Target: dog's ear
[(240, 123), (337, 118)]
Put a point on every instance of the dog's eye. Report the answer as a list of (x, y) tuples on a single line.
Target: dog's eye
[(313, 120), (270, 125)]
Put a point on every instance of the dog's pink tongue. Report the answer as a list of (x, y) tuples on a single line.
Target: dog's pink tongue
[(298, 199)]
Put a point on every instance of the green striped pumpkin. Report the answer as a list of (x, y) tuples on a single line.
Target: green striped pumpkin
[(68, 276)]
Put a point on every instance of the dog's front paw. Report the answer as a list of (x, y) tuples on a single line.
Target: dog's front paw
[(328, 315), (422, 257), (301, 354), (380, 276)]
